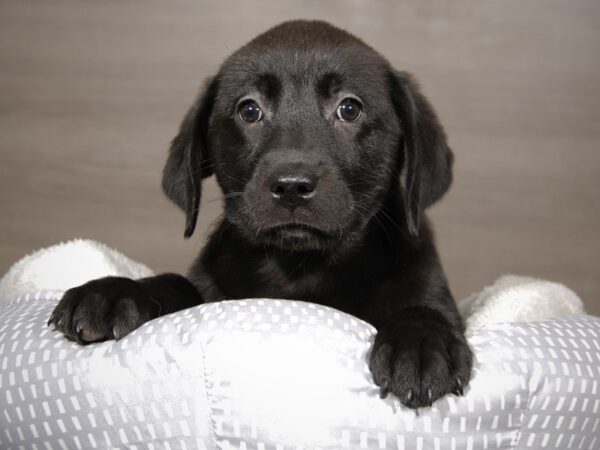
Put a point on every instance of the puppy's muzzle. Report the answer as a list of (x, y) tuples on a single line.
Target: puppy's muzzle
[(293, 186)]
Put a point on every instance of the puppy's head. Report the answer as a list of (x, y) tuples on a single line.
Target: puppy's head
[(308, 130)]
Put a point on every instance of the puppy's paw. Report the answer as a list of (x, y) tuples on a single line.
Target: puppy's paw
[(419, 357), (107, 308)]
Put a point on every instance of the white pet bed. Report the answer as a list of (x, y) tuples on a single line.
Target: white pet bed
[(275, 374)]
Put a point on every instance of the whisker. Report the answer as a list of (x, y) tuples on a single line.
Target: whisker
[(391, 237), (222, 197)]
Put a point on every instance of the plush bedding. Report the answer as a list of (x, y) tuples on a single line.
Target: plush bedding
[(277, 374)]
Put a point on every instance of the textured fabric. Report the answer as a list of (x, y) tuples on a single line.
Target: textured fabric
[(270, 374)]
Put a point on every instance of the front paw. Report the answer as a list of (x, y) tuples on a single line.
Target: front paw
[(107, 308), (420, 357)]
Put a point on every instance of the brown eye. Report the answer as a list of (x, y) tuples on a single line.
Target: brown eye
[(349, 110), (249, 111)]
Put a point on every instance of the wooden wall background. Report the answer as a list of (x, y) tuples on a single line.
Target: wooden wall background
[(92, 92)]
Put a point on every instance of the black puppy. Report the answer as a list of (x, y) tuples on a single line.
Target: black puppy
[(327, 157)]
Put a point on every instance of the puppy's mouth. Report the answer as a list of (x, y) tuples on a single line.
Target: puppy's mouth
[(295, 236)]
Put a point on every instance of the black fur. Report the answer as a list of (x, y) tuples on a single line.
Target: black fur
[(316, 208)]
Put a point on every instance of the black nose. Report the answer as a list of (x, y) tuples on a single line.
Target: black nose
[(293, 189)]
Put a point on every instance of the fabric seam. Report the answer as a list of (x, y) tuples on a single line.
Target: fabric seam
[(211, 422), (524, 414)]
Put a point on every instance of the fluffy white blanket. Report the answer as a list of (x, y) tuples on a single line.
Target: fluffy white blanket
[(510, 299), (280, 374)]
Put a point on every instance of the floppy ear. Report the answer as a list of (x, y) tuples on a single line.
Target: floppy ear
[(187, 163), (426, 160)]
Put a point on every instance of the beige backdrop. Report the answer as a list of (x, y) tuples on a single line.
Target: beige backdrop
[(92, 92)]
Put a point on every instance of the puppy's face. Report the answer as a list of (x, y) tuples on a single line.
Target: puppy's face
[(307, 129), (303, 137)]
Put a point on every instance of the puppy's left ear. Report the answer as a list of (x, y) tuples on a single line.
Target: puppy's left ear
[(188, 161), (426, 160)]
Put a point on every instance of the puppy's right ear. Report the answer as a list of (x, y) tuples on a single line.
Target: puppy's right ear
[(426, 156), (188, 161)]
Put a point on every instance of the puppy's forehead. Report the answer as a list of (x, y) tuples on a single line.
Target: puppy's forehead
[(304, 53)]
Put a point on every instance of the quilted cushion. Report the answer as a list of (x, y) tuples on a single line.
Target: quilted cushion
[(274, 374)]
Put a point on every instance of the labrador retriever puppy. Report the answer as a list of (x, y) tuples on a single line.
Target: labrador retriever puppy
[(327, 158)]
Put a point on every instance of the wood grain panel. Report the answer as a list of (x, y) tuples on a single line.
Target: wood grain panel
[(92, 92)]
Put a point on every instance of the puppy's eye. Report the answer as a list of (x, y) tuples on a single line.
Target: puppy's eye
[(249, 111), (349, 110)]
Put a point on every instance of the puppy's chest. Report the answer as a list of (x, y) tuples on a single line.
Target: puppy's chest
[(309, 283)]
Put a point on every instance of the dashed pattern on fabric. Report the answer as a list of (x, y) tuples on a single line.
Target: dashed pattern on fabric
[(275, 374)]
